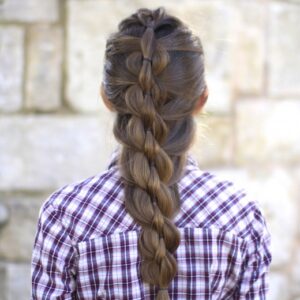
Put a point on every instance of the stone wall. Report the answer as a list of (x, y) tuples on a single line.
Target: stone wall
[(55, 130)]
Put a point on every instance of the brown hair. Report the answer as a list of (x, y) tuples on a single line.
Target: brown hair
[(153, 77)]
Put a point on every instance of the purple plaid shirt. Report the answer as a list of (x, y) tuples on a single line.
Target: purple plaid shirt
[(86, 243)]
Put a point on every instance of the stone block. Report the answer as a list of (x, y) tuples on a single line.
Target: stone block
[(279, 287), (16, 281), (17, 235), (90, 22), (29, 10), (296, 273), (249, 53), (44, 70), (267, 131), (11, 68), (44, 152), (283, 49), (3, 214), (213, 143)]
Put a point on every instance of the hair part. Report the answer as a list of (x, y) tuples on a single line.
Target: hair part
[(153, 77)]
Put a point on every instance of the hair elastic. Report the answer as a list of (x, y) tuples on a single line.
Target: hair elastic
[(150, 24), (163, 288), (147, 58)]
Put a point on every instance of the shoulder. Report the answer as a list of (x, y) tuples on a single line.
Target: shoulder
[(224, 204), (75, 203), (82, 188)]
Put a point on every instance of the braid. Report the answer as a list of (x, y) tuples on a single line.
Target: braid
[(155, 141), (159, 266)]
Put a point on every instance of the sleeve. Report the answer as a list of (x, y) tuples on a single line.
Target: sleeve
[(53, 258), (254, 281)]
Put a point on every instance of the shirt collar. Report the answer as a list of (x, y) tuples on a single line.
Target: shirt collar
[(114, 157), (191, 160)]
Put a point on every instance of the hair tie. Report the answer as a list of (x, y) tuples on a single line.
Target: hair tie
[(150, 24), (148, 59), (151, 162), (163, 288), (153, 201)]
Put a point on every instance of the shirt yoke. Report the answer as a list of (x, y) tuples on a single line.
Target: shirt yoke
[(94, 206)]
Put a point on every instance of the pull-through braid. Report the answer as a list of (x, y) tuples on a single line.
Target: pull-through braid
[(150, 167), (153, 78)]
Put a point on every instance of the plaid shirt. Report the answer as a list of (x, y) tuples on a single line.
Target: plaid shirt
[(86, 243)]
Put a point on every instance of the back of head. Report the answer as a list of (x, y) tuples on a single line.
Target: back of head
[(153, 77)]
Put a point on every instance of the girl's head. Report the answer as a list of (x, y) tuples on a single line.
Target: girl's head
[(154, 81)]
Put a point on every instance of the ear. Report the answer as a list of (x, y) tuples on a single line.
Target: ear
[(106, 101), (201, 101)]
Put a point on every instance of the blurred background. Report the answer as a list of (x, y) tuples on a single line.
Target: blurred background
[(55, 130)]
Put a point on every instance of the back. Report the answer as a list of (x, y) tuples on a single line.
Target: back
[(86, 244)]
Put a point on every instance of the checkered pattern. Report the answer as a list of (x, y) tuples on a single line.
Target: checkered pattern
[(86, 243)]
